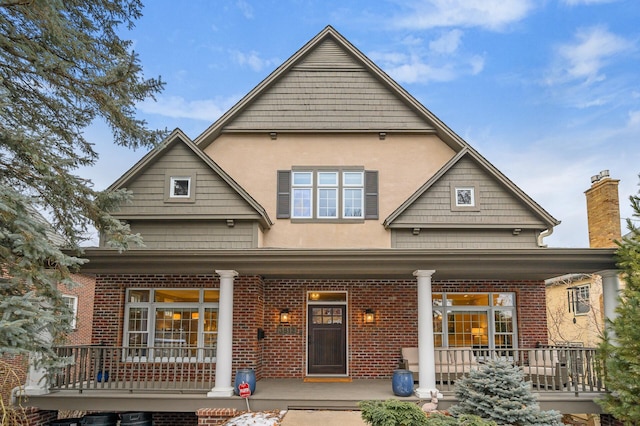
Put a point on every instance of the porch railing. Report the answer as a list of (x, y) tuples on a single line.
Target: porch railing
[(163, 368), (549, 369), (184, 370)]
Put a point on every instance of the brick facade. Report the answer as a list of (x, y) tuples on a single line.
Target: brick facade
[(373, 349)]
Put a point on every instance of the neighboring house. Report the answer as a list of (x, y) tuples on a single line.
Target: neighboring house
[(575, 302), (323, 223)]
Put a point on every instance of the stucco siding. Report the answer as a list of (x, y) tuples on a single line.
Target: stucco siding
[(463, 238), (495, 204), (403, 163), (197, 234)]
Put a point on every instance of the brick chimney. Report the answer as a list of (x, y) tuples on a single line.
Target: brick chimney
[(603, 211)]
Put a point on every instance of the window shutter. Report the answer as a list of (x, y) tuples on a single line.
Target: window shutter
[(371, 194), (283, 208)]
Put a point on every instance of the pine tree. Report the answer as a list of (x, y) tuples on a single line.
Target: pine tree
[(62, 65), (497, 391), (620, 350)]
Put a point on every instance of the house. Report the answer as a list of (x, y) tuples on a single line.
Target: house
[(575, 302), (323, 223)]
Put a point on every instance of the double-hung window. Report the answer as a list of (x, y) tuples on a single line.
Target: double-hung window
[(578, 298), (171, 324), (324, 194)]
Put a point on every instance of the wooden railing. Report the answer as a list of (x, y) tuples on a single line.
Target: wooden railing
[(183, 370), (549, 369), (135, 369)]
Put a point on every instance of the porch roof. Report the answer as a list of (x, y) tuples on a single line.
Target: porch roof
[(495, 264)]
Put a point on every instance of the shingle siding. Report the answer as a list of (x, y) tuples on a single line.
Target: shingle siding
[(197, 234), (463, 238), (496, 204), (329, 90), (214, 197)]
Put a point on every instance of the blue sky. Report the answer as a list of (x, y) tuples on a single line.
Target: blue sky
[(547, 90)]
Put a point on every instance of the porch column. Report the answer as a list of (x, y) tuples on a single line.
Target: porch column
[(610, 293), (223, 387), (427, 373)]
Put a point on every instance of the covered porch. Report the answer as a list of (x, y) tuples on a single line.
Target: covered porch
[(276, 394), (103, 379)]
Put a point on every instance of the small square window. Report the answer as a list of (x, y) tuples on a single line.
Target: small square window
[(181, 187), (465, 197)]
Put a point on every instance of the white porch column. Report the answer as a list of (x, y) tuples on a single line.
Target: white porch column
[(427, 373), (224, 353), (610, 293)]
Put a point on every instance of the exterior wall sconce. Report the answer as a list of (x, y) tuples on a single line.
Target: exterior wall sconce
[(369, 316), (273, 135), (284, 316)]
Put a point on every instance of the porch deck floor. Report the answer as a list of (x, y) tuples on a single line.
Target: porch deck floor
[(272, 394)]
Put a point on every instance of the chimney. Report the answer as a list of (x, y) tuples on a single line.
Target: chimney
[(603, 211)]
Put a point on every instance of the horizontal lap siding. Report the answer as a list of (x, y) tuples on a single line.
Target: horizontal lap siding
[(464, 238), (197, 234), (213, 195), (497, 205)]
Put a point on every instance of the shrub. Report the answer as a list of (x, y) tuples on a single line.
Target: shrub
[(398, 413)]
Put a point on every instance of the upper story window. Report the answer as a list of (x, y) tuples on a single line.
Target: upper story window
[(326, 194), (464, 197), (578, 298), (180, 186)]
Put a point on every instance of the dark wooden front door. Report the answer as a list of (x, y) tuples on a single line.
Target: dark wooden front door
[(327, 339)]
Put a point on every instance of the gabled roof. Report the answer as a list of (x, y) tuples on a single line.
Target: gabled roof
[(431, 124), (177, 136), (481, 162)]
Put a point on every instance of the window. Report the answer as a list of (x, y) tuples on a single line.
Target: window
[(326, 194), (180, 187), (171, 324), (72, 304), (578, 298), (464, 197), (478, 320)]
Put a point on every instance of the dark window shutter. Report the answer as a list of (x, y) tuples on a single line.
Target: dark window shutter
[(283, 209), (371, 194)]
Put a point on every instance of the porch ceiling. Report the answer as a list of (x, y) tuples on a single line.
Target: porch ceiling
[(530, 264)]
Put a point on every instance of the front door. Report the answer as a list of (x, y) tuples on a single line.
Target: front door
[(327, 339)]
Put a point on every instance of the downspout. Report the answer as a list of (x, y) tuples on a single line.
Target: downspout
[(544, 234)]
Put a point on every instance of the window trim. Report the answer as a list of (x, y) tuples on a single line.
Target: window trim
[(170, 177), (575, 301), (368, 190), (475, 198), (74, 309), (150, 332)]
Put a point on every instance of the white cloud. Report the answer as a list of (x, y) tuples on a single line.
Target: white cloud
[(447, 43), (584, 58), (178, 107), (477, 64), (253, 60), (418, 71), (245, 8), (490, 14), (634, 119)]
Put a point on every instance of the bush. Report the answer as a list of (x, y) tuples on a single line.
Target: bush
[(398, 413), (392, 413)]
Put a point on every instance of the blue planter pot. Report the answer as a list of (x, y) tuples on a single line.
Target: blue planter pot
[(245, 375), (402, 382), (103, 376)]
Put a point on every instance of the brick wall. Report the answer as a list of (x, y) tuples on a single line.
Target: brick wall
[(374, 349), (603, 213), (84, 290)]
